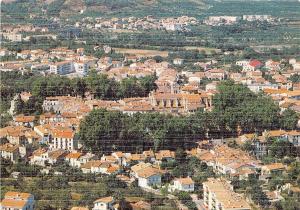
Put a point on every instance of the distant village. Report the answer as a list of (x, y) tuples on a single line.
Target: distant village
[(18, 33), (133, 23), (231, 20), (24, 32)]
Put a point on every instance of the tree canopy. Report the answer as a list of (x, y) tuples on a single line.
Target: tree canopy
[(99, 85), (235, 108), (238, 107)]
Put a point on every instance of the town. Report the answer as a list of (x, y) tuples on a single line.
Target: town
[(146, 111)]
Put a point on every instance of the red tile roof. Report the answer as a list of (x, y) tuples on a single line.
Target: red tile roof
[(14, 204), (255, 63), (67, 134)]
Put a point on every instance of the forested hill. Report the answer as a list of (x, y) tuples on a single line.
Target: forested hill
[(21, 9), (66, 8)]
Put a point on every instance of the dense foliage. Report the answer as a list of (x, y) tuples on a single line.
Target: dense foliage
[(103, 131), (98, 84), (236, 109)]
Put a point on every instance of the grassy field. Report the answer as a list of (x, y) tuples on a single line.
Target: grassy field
[(206, 49), (143, 53)]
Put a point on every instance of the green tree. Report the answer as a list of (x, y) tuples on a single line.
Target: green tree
[(247, 146), (295, 78), (235, 68), (249, 53), (130, 87), (289, 203), (100, 129), (98, 84), (294, 171), (4, 120), (231, 95), (158, 58), (19, 105), (289, 119), (280, 148), (79, 86), (235, 106), (148, 83), (180, 156), (258, 196)]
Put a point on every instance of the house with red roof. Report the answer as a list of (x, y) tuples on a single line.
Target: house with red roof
[(250, 65), (76, 159), (183, 184), (255, 64), (17, 201), (64, 139), (22, 120)]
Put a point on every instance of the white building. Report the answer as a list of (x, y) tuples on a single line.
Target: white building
[(4, 52), (21, 120), (56, 104), (296, 66), (76, 159), (257, 17), (212, 86), (64, 140), (38, 157), (62, 68), (44, 132), (149, 177), (100, 167), (81, 68), (178, 61), (42, 158), (107, 49), (294, 138), (73, 159), (12, 37), (25, 54), (104, 204), (257, 87), (219, 195), (173, 27), (17, 201), (242, 63), (183, 184), (221, 20), (246, 65), (249, 65), (10, 152)]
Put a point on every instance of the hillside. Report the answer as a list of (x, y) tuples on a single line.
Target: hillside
[(19, 11), (120, 8)]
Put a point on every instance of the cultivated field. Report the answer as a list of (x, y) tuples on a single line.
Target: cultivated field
[(143, 53), (206, 49)]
